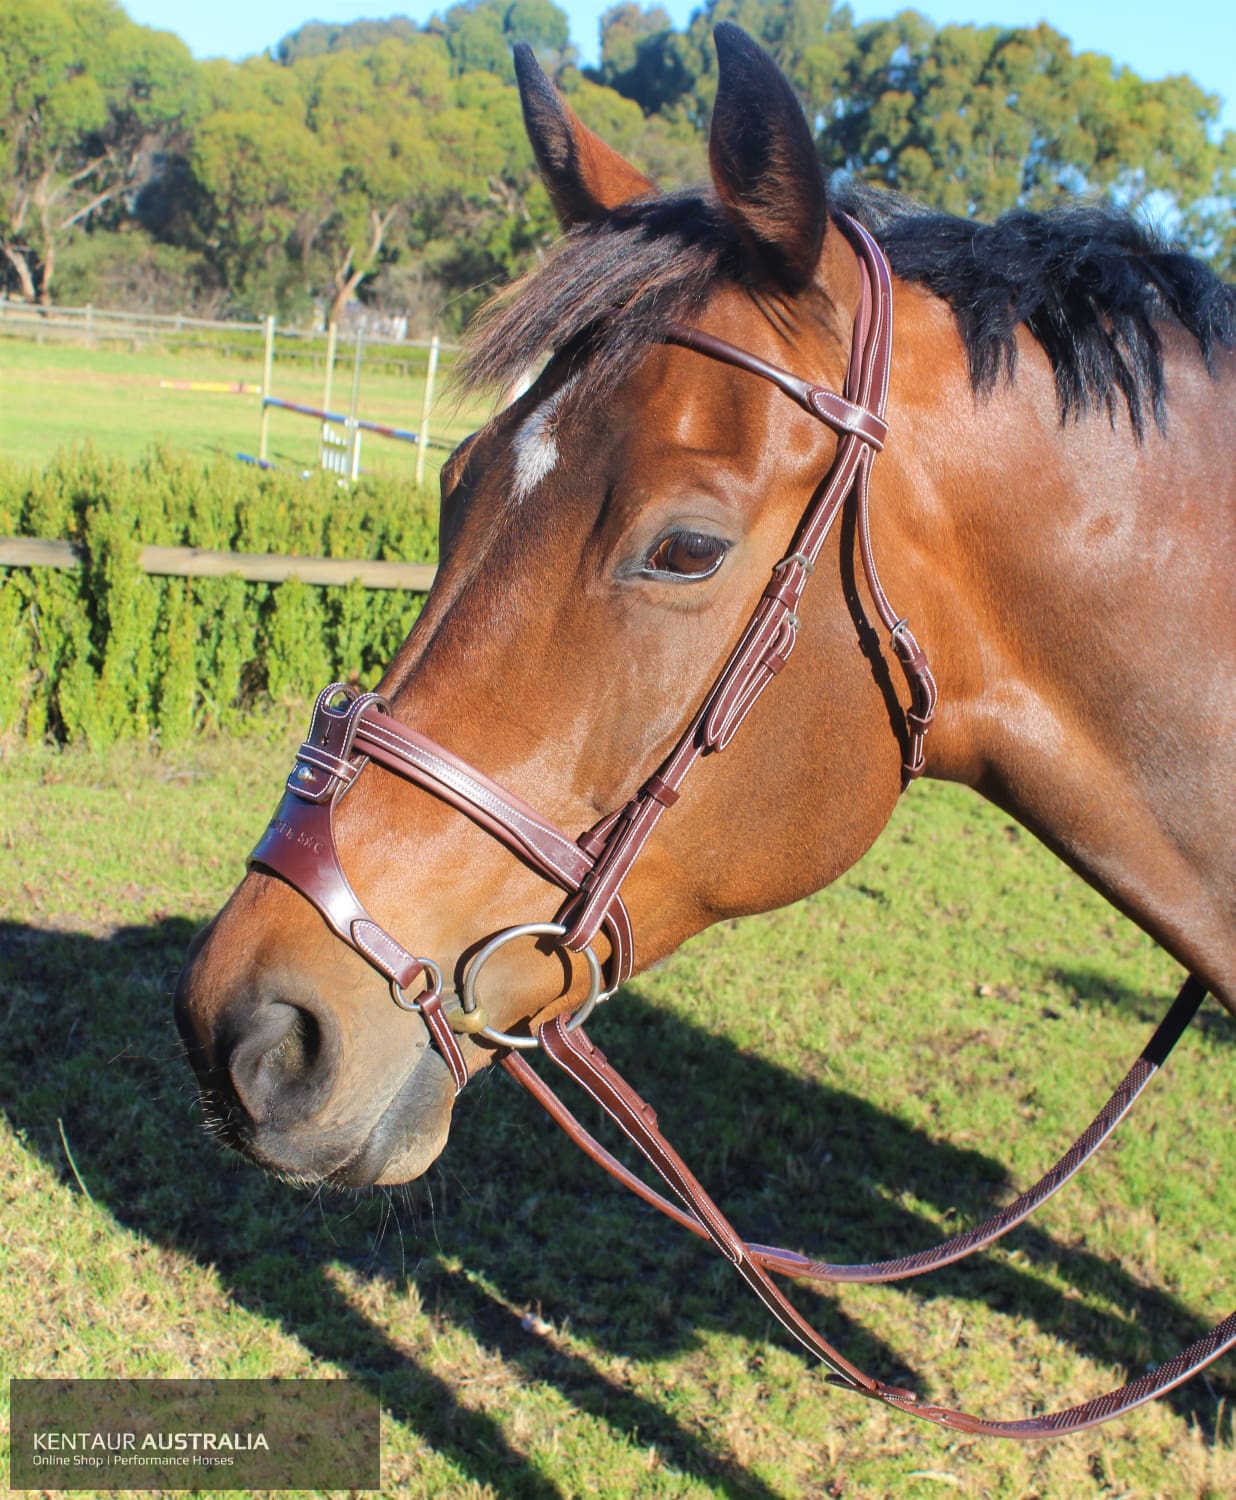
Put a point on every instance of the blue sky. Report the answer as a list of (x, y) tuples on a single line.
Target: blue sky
[(1197, 37)]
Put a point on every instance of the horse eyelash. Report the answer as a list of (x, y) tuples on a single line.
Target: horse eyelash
[(648, 570)]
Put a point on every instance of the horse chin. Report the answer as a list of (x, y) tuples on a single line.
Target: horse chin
[(412, 1163), (408, 1136)]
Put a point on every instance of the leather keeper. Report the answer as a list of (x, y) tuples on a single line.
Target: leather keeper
[(660, 791)]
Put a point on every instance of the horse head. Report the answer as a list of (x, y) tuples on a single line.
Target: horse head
[(623, 551), (604, 539)]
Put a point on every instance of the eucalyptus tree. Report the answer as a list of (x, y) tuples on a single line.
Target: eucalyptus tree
[(259, 176), (88, 102), (971, 119), (392, 148), (481, 33), (371, 115), (979, 119)]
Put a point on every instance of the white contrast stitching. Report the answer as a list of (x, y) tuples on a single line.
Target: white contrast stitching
[(458, 781)]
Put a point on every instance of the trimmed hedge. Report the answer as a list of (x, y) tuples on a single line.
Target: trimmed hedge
[(106, 652)]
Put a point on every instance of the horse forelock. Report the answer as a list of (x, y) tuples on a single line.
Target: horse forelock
[(605, 293)]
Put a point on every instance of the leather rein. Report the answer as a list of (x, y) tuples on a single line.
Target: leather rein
[(348, 729)]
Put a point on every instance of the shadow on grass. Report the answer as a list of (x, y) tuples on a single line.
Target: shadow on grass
[(1100, 989), (87, 1037)]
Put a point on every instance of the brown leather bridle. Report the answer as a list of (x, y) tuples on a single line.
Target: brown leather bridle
[(348, 729)]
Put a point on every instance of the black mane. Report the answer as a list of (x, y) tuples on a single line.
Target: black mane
[(1090, 285)]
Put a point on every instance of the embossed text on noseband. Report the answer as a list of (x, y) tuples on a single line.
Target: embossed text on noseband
[(294, 835)]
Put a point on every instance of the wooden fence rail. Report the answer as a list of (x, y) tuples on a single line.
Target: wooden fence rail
[(29, 316), (256, 567), (89, 323)]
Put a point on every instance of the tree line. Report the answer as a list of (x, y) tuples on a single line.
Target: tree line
[(386, 161)]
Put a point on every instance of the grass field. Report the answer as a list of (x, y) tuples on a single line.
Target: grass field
[(853, 1076), (54, 395)]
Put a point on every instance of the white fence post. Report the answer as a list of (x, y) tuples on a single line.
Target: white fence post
[(268, 360), (353, 430), (330, 442), (422, 441)]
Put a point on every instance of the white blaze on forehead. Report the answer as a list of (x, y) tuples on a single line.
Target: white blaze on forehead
[(536, 442)]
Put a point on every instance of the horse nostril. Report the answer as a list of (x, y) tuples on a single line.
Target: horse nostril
[(281, 1062), (298, 1052)]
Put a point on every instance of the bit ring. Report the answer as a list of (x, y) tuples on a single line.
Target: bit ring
[(433, 986), (469, 1001)]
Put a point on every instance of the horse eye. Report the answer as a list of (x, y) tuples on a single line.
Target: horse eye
[(687, 554)]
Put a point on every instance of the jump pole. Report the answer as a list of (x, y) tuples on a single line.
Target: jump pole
[(422, 441), (383, 429)]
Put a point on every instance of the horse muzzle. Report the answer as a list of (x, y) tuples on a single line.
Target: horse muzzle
[(301, 1086)]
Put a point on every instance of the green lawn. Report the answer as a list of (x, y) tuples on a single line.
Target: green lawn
[(54, 395), (852, 1076)]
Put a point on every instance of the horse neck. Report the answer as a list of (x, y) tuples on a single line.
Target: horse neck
[(1062, 577)]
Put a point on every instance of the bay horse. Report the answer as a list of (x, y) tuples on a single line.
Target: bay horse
[(644, 541)]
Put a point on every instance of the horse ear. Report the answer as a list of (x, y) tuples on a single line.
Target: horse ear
[(764, 165), (585, 177)]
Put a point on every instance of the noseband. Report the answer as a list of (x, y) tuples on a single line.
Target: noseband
[(348, 729)]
